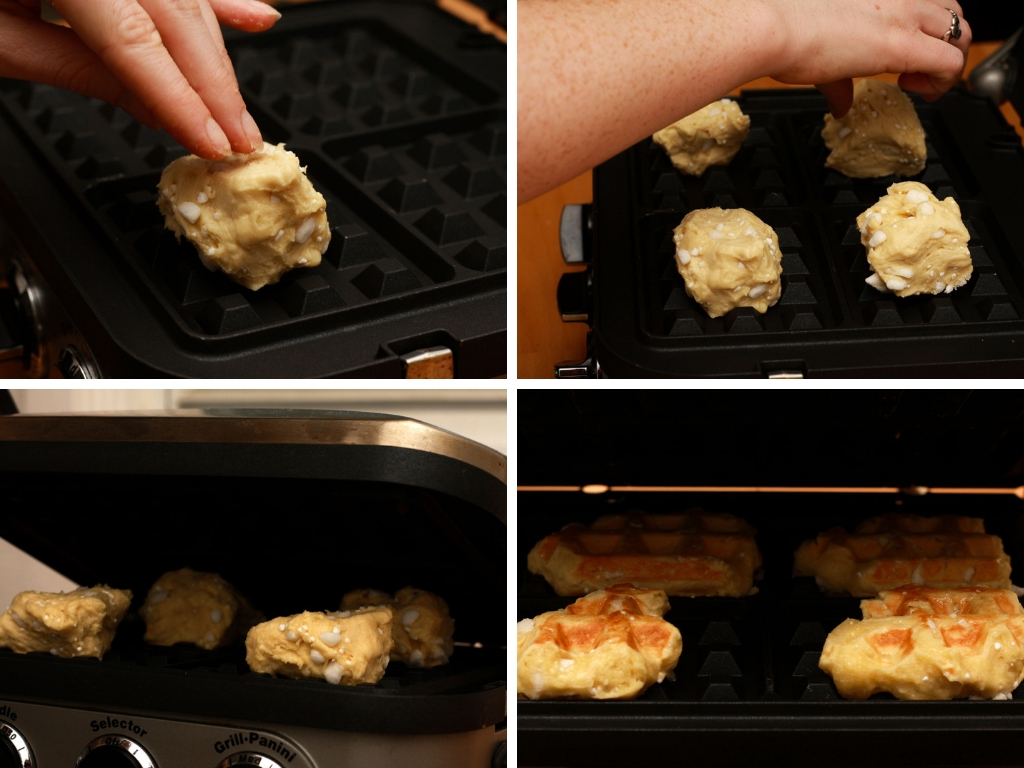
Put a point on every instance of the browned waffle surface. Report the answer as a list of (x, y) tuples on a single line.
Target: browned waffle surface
[(969, 601), (692, 553), (895, 550), (925, 643), (605, 646)]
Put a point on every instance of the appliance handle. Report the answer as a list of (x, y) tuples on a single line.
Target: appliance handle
[(996, 76)]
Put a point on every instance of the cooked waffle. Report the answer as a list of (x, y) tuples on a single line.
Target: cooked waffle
[(922, 643), (968, 601), (693, 553), (893, 550), (621, 597), (604, 646)]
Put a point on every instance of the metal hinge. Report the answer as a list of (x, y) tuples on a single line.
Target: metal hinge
[(430, 363)]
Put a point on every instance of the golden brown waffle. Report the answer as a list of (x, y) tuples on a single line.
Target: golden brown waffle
[(968, 601), (893, 550), (621, 597), (605, 646), (923, 643), (692, 553)]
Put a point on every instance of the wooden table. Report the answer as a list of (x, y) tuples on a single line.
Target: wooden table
[(543, 339)]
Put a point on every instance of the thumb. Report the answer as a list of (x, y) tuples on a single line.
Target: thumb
[(839, 94)]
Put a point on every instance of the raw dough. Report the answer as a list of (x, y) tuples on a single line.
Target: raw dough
[(421, 627), (611, 644), (253, 217), (916, 243), (67, 624), (186, 606), (346, 647), (729, 258), (880, 135), (710, 136)]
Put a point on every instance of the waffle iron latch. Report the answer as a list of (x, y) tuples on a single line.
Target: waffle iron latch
[(430, 363)]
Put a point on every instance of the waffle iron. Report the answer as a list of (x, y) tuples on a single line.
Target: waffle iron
[(397, 109), (828, 322), (293, 508), (748, 682)]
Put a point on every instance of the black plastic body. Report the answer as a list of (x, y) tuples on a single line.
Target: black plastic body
[(293, 527), (828, 322), (397, 109)]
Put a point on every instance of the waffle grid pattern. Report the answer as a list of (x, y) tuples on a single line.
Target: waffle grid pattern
[(779, 175), (761, 648)]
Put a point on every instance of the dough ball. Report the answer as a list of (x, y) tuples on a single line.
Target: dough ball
[(346, 648), (253, 217), (880, 135), (916, 243), (421, 627), (710, 136), (187, 606), (729, 258), (67, 624)]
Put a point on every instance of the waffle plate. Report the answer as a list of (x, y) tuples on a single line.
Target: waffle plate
[(828, 322)]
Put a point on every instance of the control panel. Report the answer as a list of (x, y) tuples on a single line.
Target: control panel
[(33, 734), (36, 735)]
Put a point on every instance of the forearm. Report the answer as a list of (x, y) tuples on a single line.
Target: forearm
[(595, 77)]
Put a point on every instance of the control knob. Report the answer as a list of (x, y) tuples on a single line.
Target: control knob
[(114, 751), (249, 758), (14, 751)]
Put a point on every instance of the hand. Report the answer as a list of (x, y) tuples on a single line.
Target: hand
[(831, 42), (162, 61)]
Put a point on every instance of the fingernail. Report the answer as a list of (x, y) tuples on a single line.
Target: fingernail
[(265, 8), (252, 132), (220, 142)]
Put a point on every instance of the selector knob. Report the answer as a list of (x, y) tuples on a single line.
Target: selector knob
[(249, 758), (114, 751), (14, 751)]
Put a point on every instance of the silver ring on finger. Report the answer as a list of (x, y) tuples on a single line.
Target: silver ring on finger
[(954, 31)]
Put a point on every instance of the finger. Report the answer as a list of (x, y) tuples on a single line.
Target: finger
[(839, 94), (46, 53), (127, 41), (187, 38), (212, 25), (247, 15), (937, 20), (248, 123)]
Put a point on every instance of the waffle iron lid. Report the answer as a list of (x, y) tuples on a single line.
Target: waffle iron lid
[(66, 442), (381, 497), (848, 438)]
